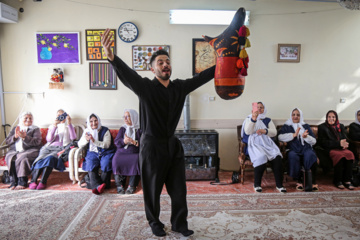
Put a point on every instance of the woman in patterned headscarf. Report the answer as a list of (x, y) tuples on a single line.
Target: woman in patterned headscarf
[(332, 138), (25, 142), (300, 139), (100, 150), (257, 132), (126, 159)]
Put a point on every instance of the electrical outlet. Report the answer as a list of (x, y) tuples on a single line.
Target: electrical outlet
[(342, 100), (212, 98)]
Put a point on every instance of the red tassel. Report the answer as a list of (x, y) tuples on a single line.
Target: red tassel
[(243, 72), (246, 59), (242, 31), (239, 63)]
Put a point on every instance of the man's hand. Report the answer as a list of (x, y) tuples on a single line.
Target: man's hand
[(106, 43)]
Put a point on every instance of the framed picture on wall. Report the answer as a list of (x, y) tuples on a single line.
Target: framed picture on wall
[(58, 47), (141, 55), (102, 76), (94, 49), (203, 55), (288, 52)]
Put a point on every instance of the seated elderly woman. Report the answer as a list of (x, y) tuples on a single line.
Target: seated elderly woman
[(332, 138), (126, 159), (300, 139), (100, 150), (354, 128), (257, 132), (59, 135), (25, 142)]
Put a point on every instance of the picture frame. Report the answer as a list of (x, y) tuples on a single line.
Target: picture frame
[(288, 52), (141, 55), (58, 47), (94, 49), (102, 76), (203, 55)]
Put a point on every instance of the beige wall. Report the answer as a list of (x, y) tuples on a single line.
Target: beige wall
[(329, 68)]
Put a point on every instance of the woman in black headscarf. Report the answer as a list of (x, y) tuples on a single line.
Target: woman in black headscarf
[(332, 138)]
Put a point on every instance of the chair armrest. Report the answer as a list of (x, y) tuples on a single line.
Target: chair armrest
[(242, 156), (3, 150)]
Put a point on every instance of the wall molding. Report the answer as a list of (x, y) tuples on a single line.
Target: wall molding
[(203, 123)]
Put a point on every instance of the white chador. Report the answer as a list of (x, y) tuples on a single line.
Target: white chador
[(261, 148)]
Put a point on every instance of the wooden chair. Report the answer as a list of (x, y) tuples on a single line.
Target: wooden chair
[(244, 159)]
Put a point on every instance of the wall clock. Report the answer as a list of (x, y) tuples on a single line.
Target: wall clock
[(128, 32)]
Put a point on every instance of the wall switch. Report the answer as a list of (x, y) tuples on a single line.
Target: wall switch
[(212, 98), (342, 100)]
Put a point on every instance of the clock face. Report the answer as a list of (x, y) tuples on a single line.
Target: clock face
[(128, 32)]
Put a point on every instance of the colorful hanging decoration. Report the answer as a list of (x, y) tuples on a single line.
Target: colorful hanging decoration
[(232, 58)]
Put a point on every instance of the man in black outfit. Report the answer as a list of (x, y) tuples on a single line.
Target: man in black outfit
[(161, 153)]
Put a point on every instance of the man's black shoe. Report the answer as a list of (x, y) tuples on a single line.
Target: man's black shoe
[(186, 232), (158, 230)]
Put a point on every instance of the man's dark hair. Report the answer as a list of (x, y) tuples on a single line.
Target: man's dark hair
[(158, 53)]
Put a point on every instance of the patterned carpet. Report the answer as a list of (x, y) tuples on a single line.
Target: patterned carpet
[(72, 215)]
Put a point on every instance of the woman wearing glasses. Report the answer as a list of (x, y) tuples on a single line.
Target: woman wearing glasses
[(126, 159)]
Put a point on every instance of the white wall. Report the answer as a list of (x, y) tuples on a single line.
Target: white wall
[(329, 67)]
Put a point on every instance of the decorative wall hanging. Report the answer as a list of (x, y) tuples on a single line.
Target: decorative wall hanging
[(56, 80), (102, 76), (58, 47), (232, 59), (141, 55), (288, 52), (203, 55), (94, 49)]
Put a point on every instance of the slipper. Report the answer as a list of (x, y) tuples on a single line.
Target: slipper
[(258, 189), (349, 186), (41, 186), (315, 187), (95, 191), (281, 189), (101, 188), (339, 185), (12, 186), (19, 187), (32, 186), (299, 187)]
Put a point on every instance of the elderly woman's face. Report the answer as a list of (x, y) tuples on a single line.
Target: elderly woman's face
[(127, 118), (358, 116), (94, 123), (260, 108), (295, 116), (331, 118), (27, 120)]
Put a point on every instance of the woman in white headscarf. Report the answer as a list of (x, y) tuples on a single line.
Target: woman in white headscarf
[(300, 139), (25, 142), (354, 128), (100, 150), (126, 159), (59, 135), (257, 132)]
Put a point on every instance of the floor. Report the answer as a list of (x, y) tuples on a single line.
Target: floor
[(60, 181)]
